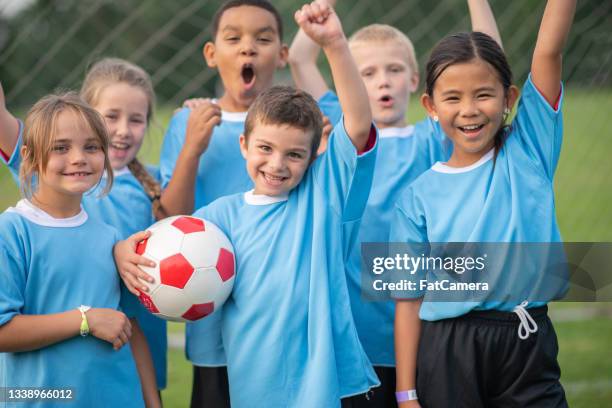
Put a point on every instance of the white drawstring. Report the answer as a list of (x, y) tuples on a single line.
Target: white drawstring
[(527, 325)]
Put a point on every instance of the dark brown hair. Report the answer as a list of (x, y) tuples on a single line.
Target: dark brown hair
[(263, 4), (464, 47), (285, 105)]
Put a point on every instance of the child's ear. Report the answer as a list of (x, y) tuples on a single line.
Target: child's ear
[(243, 146), (413, 82), (283, 56), (209, 54), (26, 155), (512, 96), (427, 102)]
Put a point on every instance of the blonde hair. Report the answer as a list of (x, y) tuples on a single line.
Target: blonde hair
[(386, 33), (110, 71), (39, 136)]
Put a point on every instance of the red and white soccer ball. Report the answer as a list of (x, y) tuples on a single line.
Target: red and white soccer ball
[(194, 272)]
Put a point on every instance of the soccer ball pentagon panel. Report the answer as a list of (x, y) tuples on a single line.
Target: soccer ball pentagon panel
[(194, 271)]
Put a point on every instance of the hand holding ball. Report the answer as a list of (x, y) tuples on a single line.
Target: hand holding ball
[(194, 272)]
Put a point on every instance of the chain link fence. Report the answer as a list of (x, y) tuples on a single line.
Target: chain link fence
[(50, 44)]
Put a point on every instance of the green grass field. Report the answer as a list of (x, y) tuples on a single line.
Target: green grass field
[(583, 187)]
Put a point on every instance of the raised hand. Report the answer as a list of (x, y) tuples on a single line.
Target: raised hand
[(127, 261), (319, 21), (110, 325), (202, 120)]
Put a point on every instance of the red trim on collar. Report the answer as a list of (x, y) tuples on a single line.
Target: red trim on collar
[(371, 142), (5, 156), (556, 105)]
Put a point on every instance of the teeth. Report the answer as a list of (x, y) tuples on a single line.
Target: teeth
[(274, 177), (471, 127), (119, 145)]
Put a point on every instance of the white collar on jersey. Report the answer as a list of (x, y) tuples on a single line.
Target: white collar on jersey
[(262, 199), (396, 131), (443, 168), (29, 211), (232, 116), (120, 172)]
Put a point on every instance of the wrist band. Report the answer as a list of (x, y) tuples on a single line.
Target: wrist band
[(403, 396), (84, 324)]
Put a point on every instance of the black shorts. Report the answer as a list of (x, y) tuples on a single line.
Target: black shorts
[(478, 360), (379, 397), (210, 388)]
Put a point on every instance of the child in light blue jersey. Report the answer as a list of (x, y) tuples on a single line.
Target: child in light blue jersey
[(388, 67), (200, 157), (287, 329), (496, 187), (123, 94), (58, 277)]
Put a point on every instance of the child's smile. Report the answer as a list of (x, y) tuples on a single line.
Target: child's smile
[(277, 157), (469, 101), (125, 111), (75, 164)]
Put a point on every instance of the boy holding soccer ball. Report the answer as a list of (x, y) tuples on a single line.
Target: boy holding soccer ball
[(200, 158), (287, 328)]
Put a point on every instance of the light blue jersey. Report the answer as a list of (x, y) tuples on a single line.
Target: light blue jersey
[(287, 327), (127, 208), (404, 153), (55, 265), (509, 199), (330, 106), (221, 172)]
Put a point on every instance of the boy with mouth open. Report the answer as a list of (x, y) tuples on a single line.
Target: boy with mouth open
[(287, 328)]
